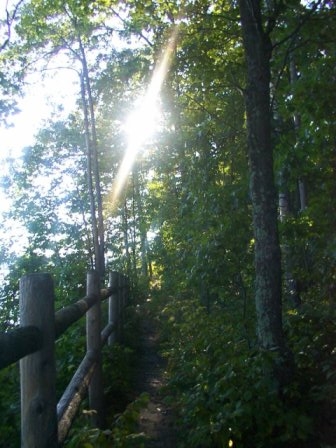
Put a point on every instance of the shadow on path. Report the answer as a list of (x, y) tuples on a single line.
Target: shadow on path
[(156, 421)]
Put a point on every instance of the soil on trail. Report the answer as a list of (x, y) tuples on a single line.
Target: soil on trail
[(156, 421)]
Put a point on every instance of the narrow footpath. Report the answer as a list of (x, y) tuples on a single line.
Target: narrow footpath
[(156, 421)]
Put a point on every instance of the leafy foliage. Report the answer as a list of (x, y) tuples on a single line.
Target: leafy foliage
[(185, 220), (10, 406), (123, 434), (221, 388)]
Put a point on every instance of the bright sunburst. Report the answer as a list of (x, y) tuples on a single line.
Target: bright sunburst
[(139, 127), (141, 123)]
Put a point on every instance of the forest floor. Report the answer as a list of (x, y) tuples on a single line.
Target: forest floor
[(156, 421)]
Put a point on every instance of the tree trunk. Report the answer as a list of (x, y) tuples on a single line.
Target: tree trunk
[(297, 125), (134, 242), (258, 50), (141, 220), (291, 292), (94, 225), (96, 176), (90, 129), (126, 239)]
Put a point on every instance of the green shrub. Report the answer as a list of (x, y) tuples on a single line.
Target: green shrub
[(10, 406), (123, 433), (221, 387)]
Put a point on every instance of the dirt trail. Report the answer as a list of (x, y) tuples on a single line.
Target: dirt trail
[(156, 421)]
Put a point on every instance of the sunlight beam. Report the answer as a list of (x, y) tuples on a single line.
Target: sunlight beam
[(139, 128)]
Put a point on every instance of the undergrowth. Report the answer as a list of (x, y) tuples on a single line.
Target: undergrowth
[(123, 431), (218, 384), (122, 407)]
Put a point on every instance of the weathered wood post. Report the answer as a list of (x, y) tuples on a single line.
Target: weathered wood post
[(38, 370), (93, 343), (113, 306)]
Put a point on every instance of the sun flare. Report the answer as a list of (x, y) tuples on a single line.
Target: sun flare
[(139, 127), (141, 123)]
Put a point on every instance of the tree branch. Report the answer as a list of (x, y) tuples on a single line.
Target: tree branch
[(301, 23), (139, 33), (9, 21)]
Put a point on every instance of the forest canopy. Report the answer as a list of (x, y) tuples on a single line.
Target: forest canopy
[(199, 159)]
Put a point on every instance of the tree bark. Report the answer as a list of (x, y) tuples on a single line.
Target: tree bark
[(93, 165), (268, 299), (297, 124), (94, 225), (125, 227), (142, 224)]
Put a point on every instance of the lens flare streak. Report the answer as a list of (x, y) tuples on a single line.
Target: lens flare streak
[(141, 129)]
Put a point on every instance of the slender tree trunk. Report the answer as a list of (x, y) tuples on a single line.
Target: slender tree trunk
[(89, 172), (96, 174), (142, 224), (87, 229), (126, 240), (134, 240), (258, 49), (291, 290), (99, 238), (297, 125)]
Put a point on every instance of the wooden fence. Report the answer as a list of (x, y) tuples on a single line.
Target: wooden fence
[(44, 422)]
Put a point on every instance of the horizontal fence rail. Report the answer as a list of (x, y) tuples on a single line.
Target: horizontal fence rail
[(45, 423)]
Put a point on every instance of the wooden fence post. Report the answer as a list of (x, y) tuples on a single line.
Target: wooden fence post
[(93, 342), (113, 306), (38, 370)]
